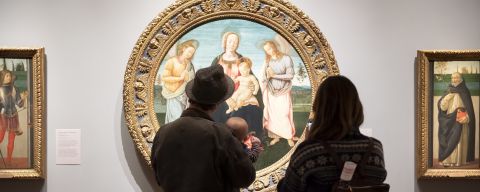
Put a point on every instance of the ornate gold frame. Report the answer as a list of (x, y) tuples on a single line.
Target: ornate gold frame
[(38, 112), (424, 112), (185, 15)]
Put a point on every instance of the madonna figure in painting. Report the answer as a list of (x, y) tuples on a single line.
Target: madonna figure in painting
[(456, 120), (230, 61), (276, 86)]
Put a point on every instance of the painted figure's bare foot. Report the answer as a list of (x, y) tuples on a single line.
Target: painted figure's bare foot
[(274, 141), (291, 143)]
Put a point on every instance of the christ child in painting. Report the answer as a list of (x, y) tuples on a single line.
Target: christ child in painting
[(244, 95)]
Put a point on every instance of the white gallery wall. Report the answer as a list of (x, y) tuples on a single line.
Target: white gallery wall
[(88, 43)]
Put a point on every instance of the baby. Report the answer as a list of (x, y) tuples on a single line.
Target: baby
[(239, 128), (243, 94)]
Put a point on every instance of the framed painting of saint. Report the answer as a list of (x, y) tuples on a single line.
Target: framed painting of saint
[(276, 57), (448, 100), (22, 130)]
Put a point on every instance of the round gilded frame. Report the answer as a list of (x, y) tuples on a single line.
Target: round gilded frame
[(185, 15)]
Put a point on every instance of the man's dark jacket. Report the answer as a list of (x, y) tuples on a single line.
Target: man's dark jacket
[(194, 153)]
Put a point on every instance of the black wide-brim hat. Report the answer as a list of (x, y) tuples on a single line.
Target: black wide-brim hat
[(210, 86)]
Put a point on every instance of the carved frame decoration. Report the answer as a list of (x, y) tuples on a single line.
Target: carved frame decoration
[(38, 109), (424, 113), (185, 15)]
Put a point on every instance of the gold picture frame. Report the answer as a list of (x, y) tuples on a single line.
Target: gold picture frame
[(25, 159), (447, 111), (183, 16)]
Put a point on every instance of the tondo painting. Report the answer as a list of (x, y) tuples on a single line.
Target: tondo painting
[(275, 102), (275, 58)]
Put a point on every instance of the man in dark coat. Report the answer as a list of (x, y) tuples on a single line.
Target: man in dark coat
[(455, 115), (194, 153)]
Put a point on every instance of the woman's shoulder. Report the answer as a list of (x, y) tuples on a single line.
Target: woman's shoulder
[(376, 141), (315, 147), (355, 143)]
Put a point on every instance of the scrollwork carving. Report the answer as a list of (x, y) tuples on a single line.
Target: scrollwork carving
[(147, 129), (318, 61), (272, 13), (291, 25), (169, 28), (155, 44), (226, 5), (252, 6), (144, 65), (208, 6), (187, 15), (306, 40), (140, 89), (140, 109)]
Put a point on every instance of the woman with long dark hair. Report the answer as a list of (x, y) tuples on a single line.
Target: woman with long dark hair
[(334, 137)]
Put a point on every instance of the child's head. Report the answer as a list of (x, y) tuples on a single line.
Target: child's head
[(245, 66), (239, 127)]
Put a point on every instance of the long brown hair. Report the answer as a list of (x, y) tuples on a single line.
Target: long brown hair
[(183, 46), (337, 109), (277, 52)]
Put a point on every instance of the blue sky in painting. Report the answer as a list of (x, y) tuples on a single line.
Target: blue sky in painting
[(252, 34)]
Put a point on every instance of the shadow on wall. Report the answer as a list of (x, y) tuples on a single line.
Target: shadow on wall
[(448, 185), (141, 172)]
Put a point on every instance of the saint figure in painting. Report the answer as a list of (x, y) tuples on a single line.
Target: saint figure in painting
[(10, 99), (230, 61), (177, 73), (456, 133), (278, 73)]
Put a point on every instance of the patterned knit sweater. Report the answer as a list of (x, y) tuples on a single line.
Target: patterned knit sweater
[(312, 168)]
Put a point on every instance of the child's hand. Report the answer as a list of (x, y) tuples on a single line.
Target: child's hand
[(251, 87), (248, 142), (256, 141)]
